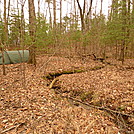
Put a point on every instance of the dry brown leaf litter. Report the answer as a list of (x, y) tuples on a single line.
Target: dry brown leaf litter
[(33, 108)]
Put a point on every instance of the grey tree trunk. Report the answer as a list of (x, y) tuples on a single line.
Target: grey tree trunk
[(32, 30), (5, 25), (60, 15), (54, 12)]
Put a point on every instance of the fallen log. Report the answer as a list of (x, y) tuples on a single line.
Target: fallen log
[(51, 76)]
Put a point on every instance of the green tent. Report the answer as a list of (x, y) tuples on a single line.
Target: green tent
[(13, 57)]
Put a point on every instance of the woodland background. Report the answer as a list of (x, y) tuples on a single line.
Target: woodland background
[(81, 31)]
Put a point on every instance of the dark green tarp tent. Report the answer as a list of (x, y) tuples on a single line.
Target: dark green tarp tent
[(13, 57)]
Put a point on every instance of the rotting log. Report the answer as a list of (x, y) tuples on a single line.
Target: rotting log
[(51, 76)]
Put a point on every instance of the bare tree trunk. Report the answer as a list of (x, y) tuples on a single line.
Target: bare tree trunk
[(60, 15), (38, 8), (82, 15), (133, 13), (22, 28), (101, 7), (122, 54), (75, 15), (132, 23), (128, 26), (3, 60), (5, 38), (22, 33), (54, 12), (32, 28), (8, 11), (89, 15), (5, 25), (50, 16)]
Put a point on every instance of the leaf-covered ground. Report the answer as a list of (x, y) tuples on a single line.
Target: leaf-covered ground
[(28, 106)]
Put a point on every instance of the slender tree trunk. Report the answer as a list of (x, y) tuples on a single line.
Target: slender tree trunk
[(54, 12), (50, 16), (5, 38), (133, 13), (22, 33), (122, 54), (32, 30), (75, 16), (132, 23), (5, 25), (82, 15), (22, 28), (128, 25), (113, 17), (89, 15), (60, 15), (8, 11), (3, 60), (7, 20), (38, 8), (101, 7)]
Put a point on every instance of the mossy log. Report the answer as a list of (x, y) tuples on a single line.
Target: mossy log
[(51, 76)]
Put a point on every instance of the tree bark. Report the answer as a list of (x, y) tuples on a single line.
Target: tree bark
[(124, 11), (60, 15), (8, 11), (38, 8), (132, 23), (3, 60), (101, 7), (82, 15), (22, 28), (32, 30), (133, 13), (54, 12), (89, 15), (5, 24), (128, 25)]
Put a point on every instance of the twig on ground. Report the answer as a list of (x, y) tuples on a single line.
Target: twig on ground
[(100, 108)]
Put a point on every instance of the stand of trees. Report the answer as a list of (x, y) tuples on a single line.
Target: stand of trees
[(81, 31)]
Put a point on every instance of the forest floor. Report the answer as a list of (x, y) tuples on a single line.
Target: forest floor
[(97, 100)]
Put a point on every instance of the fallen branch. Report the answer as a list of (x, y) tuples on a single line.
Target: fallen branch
[(100, 108), (52, 83)]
